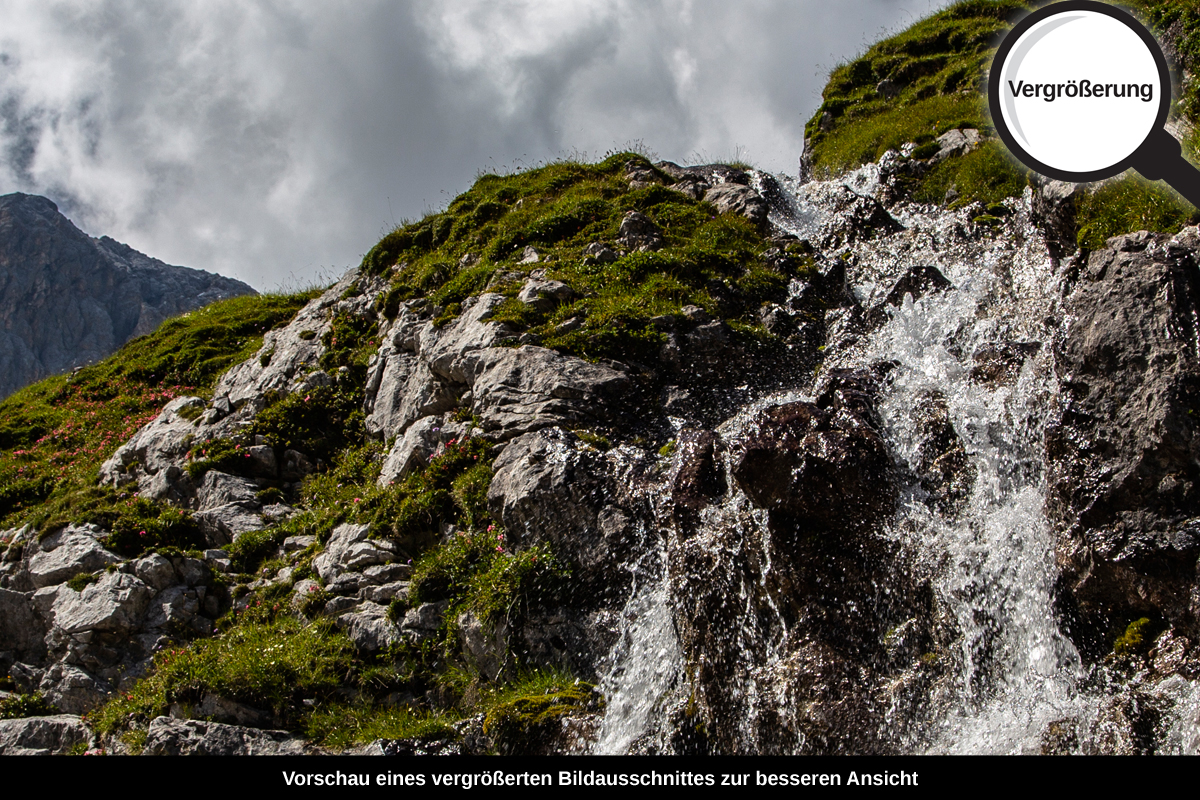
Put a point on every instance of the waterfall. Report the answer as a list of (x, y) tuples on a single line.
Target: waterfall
[(1010, 674)]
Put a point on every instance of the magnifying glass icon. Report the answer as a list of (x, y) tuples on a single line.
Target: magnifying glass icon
[(1079, 91)]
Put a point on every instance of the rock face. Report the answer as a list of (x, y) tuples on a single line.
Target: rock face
[(1125, 453), (967, 461), (67, 299)]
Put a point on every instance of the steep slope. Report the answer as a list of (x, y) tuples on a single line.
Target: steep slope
[(68, 299), (633, 457)]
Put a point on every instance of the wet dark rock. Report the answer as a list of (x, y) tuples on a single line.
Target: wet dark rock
[(825, 463), (1054, 207), (21, 630), (699, 478), (942, 467), (918, 282), (1001, 363), (857, 216), (1124, 456)]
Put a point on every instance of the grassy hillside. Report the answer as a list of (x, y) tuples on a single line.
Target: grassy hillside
[(288, 658), (55, 434), (710, 261), (926, 80)]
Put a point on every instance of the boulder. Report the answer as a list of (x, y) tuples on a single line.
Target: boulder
[(349, 550), (68, 552), (159, 445), (42, 736), (1124, 455), (638, 232), (189, 737), (113, 604), (73, 690), (544, 295), (523, 389), (732, 198), (823, 462), (548, 488), (369, 628), (289, 354)]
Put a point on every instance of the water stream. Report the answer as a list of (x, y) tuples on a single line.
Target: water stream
[(990, 559)]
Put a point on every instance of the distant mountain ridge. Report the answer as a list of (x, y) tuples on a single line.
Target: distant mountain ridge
[(68, 299)]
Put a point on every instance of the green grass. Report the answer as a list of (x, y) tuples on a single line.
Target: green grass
[(55, 434), (988, 175), (560, 209), (1131, 204), (272, 664), (343, 725), (937, 67)]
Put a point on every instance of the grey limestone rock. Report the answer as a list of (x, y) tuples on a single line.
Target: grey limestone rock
[(187, 737), (289, 355), (160, 445), (348, 550), (638, 232), (113, 604), (957, 142), (66, 553), (42, 736), (733, 198), (545, 294), (531, 387), (546, 488), (369, 628), (72, 690)]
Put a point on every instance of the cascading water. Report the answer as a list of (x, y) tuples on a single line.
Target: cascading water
[(643, 663), (992, 561), (1010, 674)]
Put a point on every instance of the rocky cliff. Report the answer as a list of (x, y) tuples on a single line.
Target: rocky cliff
[(632, 457), (68, 299)]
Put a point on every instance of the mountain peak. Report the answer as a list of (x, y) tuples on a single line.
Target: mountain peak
[(68, 299)]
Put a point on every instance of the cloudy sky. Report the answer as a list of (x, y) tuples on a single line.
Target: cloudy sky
[(276, 140)]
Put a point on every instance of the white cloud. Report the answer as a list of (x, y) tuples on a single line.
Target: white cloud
[(276, 140)]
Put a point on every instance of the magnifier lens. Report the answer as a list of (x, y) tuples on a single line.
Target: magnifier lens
[(1080, 91)]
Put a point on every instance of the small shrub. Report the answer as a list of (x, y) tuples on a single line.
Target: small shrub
[(250, 549), (82, 581), (143, 524), (1133, 640), (18, 706)]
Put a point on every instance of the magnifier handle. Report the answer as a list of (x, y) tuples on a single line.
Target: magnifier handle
[(1161, 158)]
